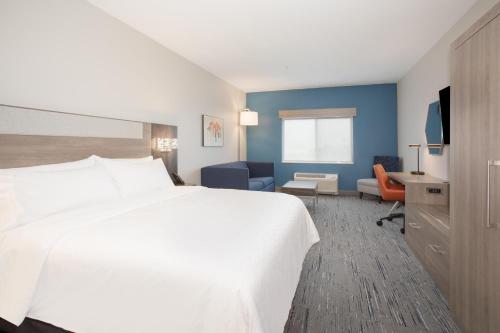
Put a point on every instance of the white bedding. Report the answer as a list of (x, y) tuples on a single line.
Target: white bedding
[(189, 259)]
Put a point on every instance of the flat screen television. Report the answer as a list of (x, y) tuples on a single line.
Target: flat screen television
[(444, 102)]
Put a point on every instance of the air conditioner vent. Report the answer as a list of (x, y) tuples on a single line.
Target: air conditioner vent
[(327, 182), (310, 175)]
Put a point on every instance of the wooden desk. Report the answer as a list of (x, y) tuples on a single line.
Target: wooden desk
[(407, 178), (428, 223), (423, 189)]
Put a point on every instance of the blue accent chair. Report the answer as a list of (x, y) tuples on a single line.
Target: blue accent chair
[(241, 175), (390, 163)]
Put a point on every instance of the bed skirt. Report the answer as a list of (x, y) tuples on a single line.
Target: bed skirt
[(29, 326)]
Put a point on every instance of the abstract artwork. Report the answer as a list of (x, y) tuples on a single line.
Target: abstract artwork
[(213, 131), (434, 129)]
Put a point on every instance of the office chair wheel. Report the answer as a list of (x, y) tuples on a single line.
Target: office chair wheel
[(402, 230), (379, 223)]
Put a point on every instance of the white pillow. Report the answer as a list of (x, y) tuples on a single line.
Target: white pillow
[(44, 193), (85, 163), (135, 178)]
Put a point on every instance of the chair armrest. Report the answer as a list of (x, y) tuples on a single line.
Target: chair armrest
[(220, 177), (261, 169)]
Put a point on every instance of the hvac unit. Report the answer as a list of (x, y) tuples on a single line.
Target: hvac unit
[(327, 182)]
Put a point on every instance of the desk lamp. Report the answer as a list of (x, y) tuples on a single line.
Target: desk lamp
[(418, 172)]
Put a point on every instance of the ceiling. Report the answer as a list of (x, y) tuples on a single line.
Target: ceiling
[(262, 45)]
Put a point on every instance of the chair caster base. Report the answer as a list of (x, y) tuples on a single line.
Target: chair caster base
[(389, 219), (402, 230), (380, 223)]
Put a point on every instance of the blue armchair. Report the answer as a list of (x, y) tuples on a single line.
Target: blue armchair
[(253, 176)]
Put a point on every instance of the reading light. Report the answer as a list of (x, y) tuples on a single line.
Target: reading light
[(249, 118), (165, 144), (418, 172)]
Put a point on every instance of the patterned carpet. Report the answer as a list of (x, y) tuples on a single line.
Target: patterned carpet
[(364, 278)]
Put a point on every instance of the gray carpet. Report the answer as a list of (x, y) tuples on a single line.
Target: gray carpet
[(364, 278)]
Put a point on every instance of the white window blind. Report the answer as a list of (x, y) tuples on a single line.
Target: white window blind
[(321, 140)]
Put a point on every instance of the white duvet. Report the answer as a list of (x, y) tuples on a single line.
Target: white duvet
[(189, 259)]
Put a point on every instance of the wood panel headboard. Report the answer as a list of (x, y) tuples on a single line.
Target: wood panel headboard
[(18, 149)]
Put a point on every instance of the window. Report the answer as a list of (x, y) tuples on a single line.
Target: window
[(323, 140)]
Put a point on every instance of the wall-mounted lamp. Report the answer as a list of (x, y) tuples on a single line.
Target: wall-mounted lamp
[(249, 118), (164, 144), (418, 172)]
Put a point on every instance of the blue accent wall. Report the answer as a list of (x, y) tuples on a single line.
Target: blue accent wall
[(375, 128)]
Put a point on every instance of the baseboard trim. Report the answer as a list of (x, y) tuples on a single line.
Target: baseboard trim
[(348, 192)]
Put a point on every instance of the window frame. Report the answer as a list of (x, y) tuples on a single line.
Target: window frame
[(315, 162)]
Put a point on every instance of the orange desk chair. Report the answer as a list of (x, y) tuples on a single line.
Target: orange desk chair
[(390, 192)]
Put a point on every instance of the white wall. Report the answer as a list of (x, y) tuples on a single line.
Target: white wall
[(67, 55), (420, 87)]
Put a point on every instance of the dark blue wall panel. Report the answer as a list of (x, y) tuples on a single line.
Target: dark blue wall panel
[(375, 127)]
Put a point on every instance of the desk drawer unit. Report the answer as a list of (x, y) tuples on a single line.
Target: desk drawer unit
[(415, 234), (437, 260), (429, 241)]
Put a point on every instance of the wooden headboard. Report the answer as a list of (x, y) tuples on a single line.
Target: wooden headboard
[(26, 138)]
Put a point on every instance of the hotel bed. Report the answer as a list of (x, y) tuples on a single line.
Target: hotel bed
[(113, 246)]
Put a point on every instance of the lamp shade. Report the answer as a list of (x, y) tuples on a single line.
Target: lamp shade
[(249, 118)]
